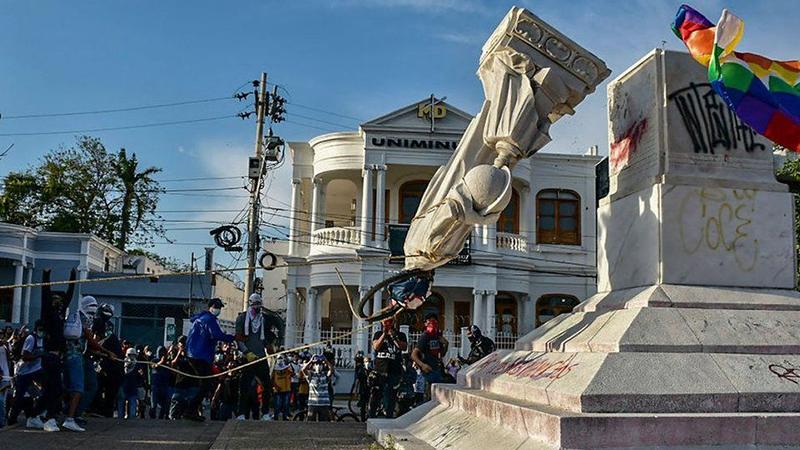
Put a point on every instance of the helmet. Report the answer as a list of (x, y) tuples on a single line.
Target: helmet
[(474, 333), (106, 311)]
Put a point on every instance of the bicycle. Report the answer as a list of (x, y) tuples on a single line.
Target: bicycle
[(338, 414)]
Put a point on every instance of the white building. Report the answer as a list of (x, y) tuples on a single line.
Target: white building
[(352, 193)]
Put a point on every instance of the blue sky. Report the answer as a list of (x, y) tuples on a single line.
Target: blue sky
[(356, 58)]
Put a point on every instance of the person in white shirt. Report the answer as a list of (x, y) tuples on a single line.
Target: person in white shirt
[(29, 371)]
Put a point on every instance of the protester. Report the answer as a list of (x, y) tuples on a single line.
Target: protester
[(420, 387), (295, 381), (200, 344), (428, 352), (318, 371), (253, 340), (480, 346), (131, 381), (451, 370), (225, 398), (6, 375), (29, 371), (109, 377), (405, 390), (388, 345), (185, 389), (281, 382), (159, 385), (360, 385)]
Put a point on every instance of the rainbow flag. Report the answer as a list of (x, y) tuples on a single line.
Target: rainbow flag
[(764, 93)]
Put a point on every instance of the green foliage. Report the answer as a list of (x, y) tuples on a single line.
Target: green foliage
[(85, 189), (789, 173)]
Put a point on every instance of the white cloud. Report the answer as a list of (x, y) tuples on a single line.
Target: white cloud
[(461, 38), (464, 6)]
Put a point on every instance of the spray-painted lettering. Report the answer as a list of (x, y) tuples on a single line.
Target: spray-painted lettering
[(534, 368), (710, 123)]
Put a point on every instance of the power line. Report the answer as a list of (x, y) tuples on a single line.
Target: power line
[(319, 110), (319, 120), (127, 127), (200, 179), (115, 110)]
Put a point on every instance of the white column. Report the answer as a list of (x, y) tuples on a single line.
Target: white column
[(477, 308), (380, 196), (377, 304), (366, 206), (317, 222), (308, 328), (524, 320), (16, 308), (491, 325), (363, 338), (293, 222), (317, 315), (524, 215), (291, 318), (492, 238), (27, 296)]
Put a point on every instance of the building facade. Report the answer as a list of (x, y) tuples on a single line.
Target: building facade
[(141, 302), (354, 194)]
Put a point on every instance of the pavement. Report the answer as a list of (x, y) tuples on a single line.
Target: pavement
[(147, 434)]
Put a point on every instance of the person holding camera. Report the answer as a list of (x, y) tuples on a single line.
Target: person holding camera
[(389, 345)]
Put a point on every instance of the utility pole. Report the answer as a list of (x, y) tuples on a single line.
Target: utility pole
[(255, 187)]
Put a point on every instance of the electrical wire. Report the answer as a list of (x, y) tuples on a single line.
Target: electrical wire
[(115, 110), (127, 127)]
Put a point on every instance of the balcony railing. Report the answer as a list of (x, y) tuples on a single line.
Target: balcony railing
[(511, 241), (337, 236)]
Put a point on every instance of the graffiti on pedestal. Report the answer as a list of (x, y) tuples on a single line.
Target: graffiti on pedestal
[(786, 371), (720, 220), (536, 368), (623, 148), (710, 123)]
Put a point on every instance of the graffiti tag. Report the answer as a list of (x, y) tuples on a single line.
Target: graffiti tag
[(785, 373), (710, 218), (536, 368), (625, 147), (709, 121)]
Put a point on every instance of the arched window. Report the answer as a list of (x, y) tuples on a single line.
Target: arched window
[(505, 314), (558, 217), (410, 197), (509, 218), (552, 305)]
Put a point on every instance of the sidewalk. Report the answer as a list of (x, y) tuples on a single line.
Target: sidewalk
[(105, 434)]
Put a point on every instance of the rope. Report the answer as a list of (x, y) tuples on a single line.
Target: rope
[(253, 362)]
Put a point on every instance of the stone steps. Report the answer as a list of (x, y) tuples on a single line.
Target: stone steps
[(460, 416)]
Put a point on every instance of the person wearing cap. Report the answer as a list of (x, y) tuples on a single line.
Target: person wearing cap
[(480, 346), (389, 346), (253, 339), (200, 345), (132, 378)]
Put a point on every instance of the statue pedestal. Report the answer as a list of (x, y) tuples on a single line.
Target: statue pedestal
[(694, 336)]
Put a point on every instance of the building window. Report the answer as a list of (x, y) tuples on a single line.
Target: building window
[(558, 219), (505, 314), (410, 197), (509, 218), (552, 305)]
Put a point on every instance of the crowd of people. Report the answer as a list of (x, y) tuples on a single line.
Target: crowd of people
[(72, 366)]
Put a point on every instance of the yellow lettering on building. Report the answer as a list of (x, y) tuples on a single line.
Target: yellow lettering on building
[(424, 110)]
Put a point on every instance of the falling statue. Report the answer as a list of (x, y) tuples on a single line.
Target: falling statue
[(532, 75)]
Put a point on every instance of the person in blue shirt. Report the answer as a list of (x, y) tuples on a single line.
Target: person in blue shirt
[(201, 343)]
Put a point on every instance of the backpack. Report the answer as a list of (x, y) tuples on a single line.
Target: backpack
[(73, 328)]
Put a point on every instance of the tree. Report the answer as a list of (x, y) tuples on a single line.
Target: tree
[(84, 189), (789, 173), (169, 263), (137, 188)]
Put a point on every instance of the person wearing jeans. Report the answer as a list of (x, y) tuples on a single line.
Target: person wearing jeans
[(282, 384)]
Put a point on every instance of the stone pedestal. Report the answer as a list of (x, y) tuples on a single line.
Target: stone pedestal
[(693, 338)]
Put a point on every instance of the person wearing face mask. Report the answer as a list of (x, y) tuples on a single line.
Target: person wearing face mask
[(294, 362), (480, 346), (389, 346), (200, 345), (281, 382), (318, 371), (28, 372), (109, 379), (428, 352), (80, 379), (253, 340)]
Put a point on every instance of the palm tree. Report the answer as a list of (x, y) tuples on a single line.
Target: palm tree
[(135, 196)]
